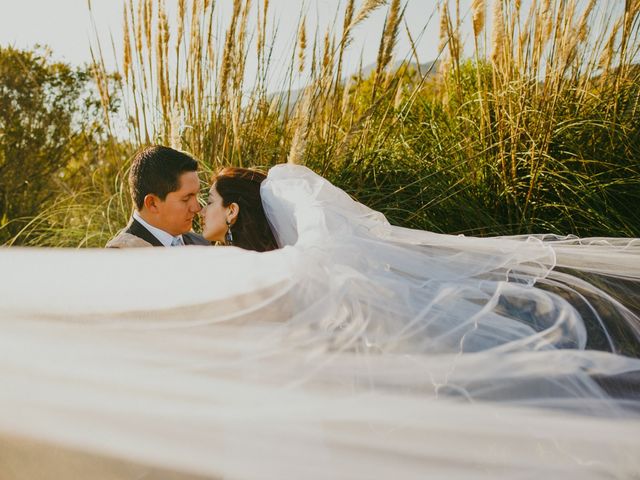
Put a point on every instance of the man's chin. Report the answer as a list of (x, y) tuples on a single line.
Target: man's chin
[(182, 230)]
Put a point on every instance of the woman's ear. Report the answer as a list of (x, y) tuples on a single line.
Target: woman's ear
[(232, 213), (151, 202)]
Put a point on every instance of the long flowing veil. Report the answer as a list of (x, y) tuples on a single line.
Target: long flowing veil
[(357, 350)]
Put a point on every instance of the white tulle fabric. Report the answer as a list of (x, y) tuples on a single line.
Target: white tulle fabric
[(358, 350)]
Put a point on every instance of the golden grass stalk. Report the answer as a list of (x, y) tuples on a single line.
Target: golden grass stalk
[(182, 12), (160, 67), (443, 36), (99, 72), (367, 9), (346, 97), (126, 43), (390, 34), (139, 116), (175, 138), (583, 22), (301, 125), (302, 44), (240, 42), (498, 34), (139, 25), (381, 50), (539, 15), (139, 35), (397, 100), (348, 19), (327, 52), (564, 34), (478, 8), (102, 84), (163, 67), (147, 10), (314, 58), (548, 21), (414, 50), (609, 50), (455, 45), (229, 49), (193, 58), (444, 39), (265, 9), (526, 33), (262, 30), (631, 10)]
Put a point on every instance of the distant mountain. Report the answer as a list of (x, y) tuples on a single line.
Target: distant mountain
[(428, 68), (425, 68)]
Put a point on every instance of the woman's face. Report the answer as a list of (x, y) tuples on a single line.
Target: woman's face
[(214, 216)]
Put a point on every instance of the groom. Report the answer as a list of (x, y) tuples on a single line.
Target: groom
[(164, 187)]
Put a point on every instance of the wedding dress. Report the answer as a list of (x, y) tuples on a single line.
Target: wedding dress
[(358, 350)]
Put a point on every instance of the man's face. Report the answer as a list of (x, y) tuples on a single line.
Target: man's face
[(175, 213)]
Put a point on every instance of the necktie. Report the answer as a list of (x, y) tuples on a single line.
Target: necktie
[(176, 242)]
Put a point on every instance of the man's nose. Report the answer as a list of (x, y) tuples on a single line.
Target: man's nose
[(196, 207)]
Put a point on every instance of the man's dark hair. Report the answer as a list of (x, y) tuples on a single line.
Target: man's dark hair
[(157, 170)]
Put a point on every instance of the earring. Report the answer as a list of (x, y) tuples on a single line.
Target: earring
[(228, 237)]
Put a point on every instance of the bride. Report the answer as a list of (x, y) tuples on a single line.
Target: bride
[(356, 349)]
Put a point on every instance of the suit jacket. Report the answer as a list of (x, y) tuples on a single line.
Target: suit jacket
[(135, 235)]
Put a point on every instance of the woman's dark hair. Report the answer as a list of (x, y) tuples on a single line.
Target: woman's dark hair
[(157, 170), (242, 186)]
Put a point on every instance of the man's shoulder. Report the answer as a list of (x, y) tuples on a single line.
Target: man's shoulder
[(192, 238), (125, 239), (136, 235)]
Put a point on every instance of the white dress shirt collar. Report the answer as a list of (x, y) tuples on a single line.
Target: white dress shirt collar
[(162, 236)]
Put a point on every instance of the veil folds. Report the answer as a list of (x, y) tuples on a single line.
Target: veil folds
[(456, 294), (357, 350)]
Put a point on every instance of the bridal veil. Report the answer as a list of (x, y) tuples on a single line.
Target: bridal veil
[(358, 350)]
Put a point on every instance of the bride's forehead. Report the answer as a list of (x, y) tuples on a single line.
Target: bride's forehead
[(213, 193)]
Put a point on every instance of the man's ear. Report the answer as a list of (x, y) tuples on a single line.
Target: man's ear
[(151, 202), (232, 214)]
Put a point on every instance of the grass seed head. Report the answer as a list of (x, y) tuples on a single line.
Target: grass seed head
[(302, 44), (499, 34), (479, 8)]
